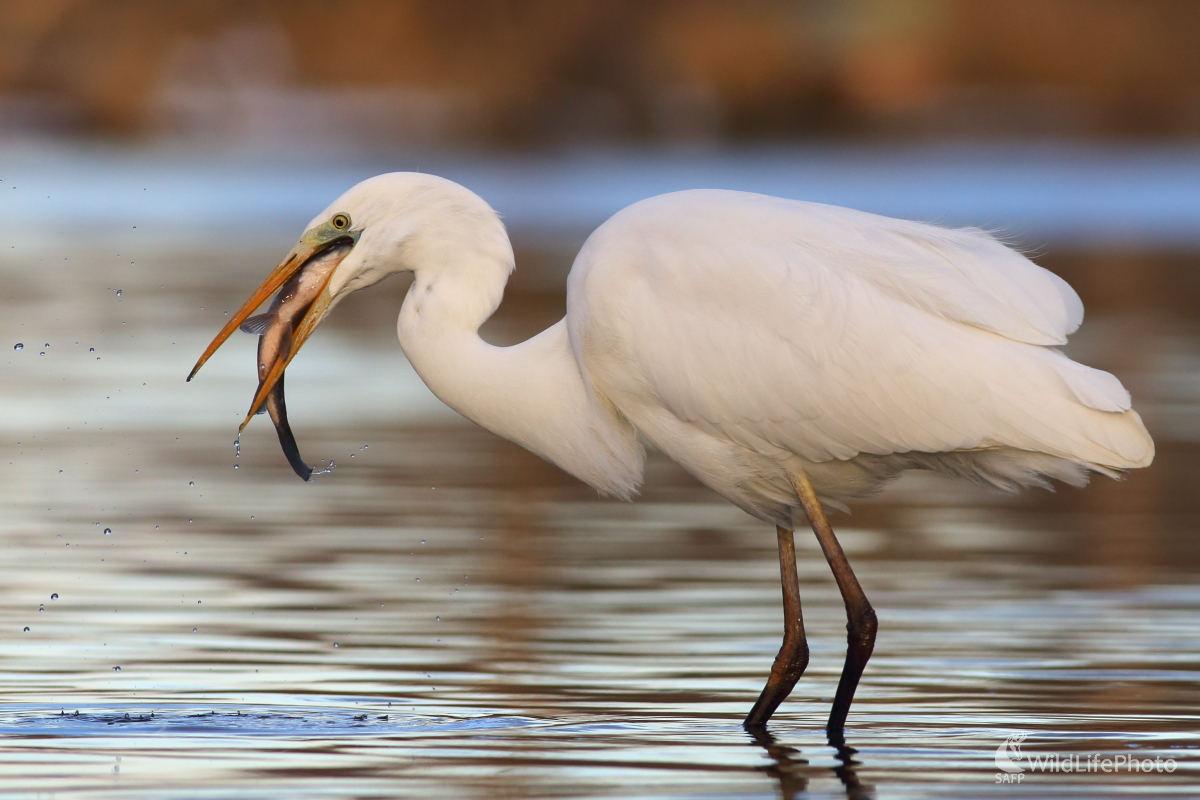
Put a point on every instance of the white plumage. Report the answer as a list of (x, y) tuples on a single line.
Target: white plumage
[(787, 354), (750, 337), (747, 335)]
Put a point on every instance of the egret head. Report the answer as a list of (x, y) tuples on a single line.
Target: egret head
[(383, 225)]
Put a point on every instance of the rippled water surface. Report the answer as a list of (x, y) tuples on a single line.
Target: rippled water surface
[(445, 615)]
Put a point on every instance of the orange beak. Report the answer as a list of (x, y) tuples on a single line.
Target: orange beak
[(314, 242)]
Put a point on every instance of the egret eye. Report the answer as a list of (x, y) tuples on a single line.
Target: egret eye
[(340, 221)]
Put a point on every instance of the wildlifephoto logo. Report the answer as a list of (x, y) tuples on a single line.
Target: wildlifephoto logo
[(1014, 765), (1008, 754)]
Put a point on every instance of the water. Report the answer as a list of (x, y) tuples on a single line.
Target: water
[(447, 615), (1068, 192)]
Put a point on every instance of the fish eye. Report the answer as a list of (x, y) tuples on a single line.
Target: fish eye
[(340, 221)]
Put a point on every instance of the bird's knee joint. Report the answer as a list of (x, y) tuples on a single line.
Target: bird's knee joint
[(867, 621), (862, 625), (792, 658), (800, 657)]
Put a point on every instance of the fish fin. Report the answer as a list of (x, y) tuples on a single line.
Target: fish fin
[(259, 323)]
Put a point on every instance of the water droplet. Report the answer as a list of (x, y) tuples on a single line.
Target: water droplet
[(155, 527), (198, 602), (193, 630), (418, 580), (19, 346), (91, 349), (235, 466), (60, 472), (116, 669), (335, 644), (437, 619), (27, 629), (46, 345), (42, 353), (118, 292), (251, 516), (107, 531), (41, 607), (422, 541), (54, 596), (191, 483)]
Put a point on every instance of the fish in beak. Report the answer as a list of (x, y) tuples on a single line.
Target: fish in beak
[(303, 299)]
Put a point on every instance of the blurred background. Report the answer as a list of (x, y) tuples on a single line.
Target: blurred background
[(158, 158), (538, 73)]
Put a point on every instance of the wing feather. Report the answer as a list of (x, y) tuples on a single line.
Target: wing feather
[(791, 327)]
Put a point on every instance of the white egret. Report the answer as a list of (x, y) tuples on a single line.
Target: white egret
[(789, 355)]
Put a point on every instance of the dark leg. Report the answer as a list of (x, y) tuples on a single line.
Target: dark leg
[(793, 655), (860, 617)]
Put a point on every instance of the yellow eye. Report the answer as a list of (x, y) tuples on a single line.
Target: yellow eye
[(340, 221)]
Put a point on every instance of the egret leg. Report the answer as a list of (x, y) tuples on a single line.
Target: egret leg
[(793, 654), (861, 623)]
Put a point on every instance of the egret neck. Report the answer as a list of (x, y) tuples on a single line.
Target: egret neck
[(532, 393)]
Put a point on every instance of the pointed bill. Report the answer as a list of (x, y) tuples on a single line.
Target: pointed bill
[(278, 277), (305, 275), (279, 361)]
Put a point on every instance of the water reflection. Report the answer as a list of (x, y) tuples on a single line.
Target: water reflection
[(794, 771), (561, 641), (445, 614)]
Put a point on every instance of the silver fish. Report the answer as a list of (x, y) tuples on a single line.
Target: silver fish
[(276, 329)]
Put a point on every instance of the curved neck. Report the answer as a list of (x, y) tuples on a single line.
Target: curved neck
[(532, 393)]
